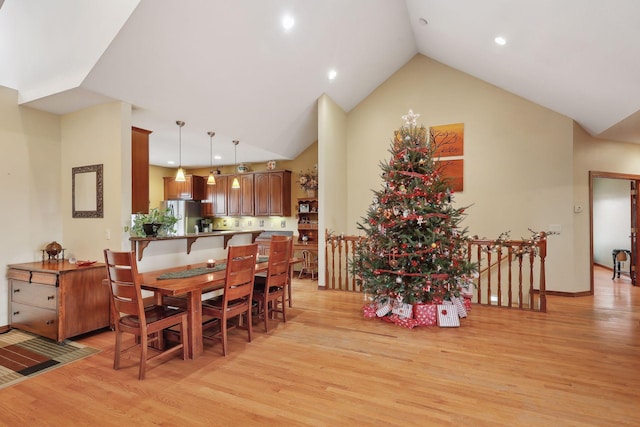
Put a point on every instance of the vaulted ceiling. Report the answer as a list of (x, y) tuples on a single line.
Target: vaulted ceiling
[(231, 67)]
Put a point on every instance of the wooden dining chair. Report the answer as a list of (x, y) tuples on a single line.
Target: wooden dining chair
[(238, 290), (290, 240), (131, 316), (271, 290), (309, 264)]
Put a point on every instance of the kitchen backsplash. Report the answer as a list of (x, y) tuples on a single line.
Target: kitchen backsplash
[(234, 223)]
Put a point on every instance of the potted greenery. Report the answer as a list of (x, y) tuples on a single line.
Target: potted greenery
[(156, 222)]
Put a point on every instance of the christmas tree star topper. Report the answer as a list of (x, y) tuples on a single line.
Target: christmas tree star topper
[(410, 118)]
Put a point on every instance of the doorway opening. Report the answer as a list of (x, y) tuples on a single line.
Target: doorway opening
[(619, 214)]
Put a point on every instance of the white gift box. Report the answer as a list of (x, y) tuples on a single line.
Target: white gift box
[(383, 308), (448, 316), (405, 311), (462, 312)]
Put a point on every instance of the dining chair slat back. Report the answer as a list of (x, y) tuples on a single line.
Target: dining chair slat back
[(238, 290), (289, 239), (131, 316), (271, 290)]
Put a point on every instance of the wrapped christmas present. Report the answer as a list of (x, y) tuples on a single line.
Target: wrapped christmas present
[(462, 312), (406, 322), (369, 310), (384, 308), (466, 290), (402, 309), (391, 319), (448, 316), (425, 314)]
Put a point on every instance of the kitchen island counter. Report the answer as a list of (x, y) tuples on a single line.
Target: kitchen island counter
[(139, 244)]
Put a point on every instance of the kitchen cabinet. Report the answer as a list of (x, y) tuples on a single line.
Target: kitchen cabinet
[(272, 193), (216, 198), (193, 188), (220, 196), (58, 300), (240, 200), (139, 170), (260, 194)]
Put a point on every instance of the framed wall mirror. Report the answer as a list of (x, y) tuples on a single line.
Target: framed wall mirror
[(86, 191)]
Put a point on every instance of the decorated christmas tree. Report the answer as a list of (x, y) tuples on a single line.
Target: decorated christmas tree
[(415, 250)]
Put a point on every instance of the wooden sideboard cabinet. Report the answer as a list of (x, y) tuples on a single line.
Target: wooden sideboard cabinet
[(58, 300)]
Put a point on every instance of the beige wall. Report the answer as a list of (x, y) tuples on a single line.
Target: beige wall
[(38, 152), (333, 165), (98, 135), (518, 155), (29, 187), (597, 155)]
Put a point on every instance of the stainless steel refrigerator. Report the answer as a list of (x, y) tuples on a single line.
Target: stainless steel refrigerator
[(188, 213)]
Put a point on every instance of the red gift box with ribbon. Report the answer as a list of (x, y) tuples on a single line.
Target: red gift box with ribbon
[(425, 314)]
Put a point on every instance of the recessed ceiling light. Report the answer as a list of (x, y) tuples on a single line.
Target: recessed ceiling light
[(332, 74), (171, 162), (217, 157), (500, 41), (288, 22)]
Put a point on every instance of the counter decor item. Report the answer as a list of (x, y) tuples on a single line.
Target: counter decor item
[(84, 263), (242, 168), (271, 165), (54, 251), (156, 222)]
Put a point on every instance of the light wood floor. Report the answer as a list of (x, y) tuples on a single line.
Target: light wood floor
[(577, 365)]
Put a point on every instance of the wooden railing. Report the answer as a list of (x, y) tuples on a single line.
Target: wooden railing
[(511, 273), (338, 252)]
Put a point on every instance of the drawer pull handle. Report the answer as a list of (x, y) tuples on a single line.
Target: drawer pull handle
[(50, 322), (15, 291), (50, 297), (16, 313)]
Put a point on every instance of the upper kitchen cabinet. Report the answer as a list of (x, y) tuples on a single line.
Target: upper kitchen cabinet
[(193, 188), (240, 200), (272, 193), (139, 170), (216, 200)]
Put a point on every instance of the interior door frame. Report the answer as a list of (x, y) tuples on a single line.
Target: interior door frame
[(611, 175)]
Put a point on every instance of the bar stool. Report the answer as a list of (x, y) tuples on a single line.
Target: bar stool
[(619, 256)]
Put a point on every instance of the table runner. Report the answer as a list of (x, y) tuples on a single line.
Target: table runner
[(191, 272), (200, 270)]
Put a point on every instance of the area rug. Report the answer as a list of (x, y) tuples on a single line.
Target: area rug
[(23, 355)]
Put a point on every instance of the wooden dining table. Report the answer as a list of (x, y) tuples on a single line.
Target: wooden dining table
[(193, 287)]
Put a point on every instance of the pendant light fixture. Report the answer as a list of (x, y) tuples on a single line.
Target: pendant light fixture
[(236, 183), (180, 174), (212, 179)]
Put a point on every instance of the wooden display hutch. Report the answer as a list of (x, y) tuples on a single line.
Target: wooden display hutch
[(308, 220)]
